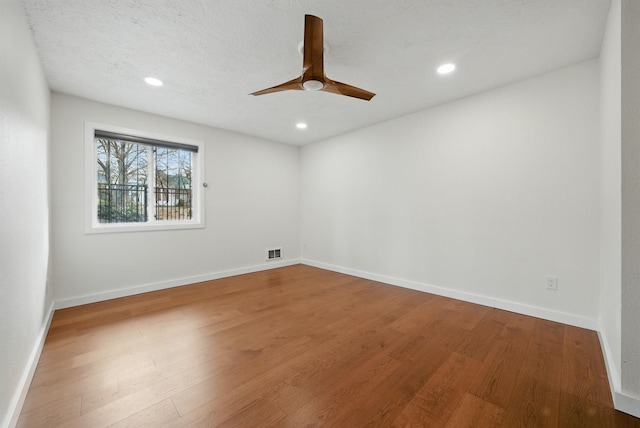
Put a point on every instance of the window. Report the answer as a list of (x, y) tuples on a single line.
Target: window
[(138, 181)]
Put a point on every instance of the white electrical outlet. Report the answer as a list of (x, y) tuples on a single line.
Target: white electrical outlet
[(551, 282)]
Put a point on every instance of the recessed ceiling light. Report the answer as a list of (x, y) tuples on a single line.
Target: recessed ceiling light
[(153, 81), (301, 125), (446, 68)]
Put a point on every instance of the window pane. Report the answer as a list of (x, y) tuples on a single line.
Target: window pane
[(122, 181), (173, 190)]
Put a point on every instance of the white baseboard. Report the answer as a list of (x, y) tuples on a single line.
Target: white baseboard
[(626, 403), (15, 407), (621, 401), (534, 311), (177, 282)]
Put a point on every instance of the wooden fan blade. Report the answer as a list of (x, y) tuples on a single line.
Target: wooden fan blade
[(313, 51), (348, 90), (291, 85)]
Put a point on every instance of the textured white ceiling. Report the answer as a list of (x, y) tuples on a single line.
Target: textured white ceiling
[(212, 53)]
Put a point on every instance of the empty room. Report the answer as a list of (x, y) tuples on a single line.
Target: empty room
[(420, 213)]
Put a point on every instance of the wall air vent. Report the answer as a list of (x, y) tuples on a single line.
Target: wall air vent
[(274, 254)]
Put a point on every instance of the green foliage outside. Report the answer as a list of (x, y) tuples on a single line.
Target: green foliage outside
[(129, 213)]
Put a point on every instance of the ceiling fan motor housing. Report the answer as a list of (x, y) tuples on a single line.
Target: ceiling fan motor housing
[(312, 85)]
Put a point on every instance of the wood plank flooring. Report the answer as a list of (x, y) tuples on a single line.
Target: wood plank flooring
[(304, 347)]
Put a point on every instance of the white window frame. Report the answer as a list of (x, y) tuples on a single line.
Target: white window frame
[(91, 185)]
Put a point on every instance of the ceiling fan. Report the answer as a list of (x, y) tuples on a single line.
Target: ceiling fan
[(313, 77)]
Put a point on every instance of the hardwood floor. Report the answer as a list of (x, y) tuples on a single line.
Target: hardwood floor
[(305, 347)]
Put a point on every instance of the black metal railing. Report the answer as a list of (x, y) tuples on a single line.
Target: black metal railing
[(173, 204), (127, 203), (122, 203)]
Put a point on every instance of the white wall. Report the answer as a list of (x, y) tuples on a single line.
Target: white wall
[(631, 199), (484, 196), (620, 210), (25, 304), (610, 232), (252, 203)]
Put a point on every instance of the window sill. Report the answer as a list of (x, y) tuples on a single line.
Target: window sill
[(142, 227)]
